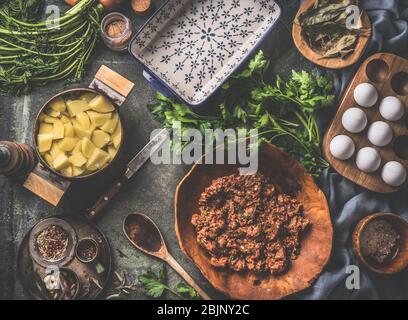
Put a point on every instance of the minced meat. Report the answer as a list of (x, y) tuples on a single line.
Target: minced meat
[(244, 223)]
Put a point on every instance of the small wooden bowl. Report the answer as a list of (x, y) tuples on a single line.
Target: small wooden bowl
[(317, 58), (37, 124), (288, 176), (401, 259)]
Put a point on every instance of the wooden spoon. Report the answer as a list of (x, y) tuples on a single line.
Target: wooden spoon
[(144, 234)]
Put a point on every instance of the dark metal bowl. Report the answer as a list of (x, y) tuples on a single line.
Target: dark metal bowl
[(37, 125)]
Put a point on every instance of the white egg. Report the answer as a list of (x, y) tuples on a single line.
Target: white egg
[(354, 120), (368, 160), (342, 147), (394, 174), (366, 95), (380, 134), (392, 108)]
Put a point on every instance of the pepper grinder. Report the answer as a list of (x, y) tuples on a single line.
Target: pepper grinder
[(17, 160)]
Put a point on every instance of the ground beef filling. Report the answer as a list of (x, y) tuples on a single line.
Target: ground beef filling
[(244, 223)]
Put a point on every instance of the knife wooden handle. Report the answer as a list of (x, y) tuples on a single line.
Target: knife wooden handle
[(97, 209)]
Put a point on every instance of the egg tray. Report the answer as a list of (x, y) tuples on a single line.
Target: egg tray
[(389, 74)]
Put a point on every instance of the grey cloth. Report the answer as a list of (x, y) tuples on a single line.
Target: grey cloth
[(350, 203)]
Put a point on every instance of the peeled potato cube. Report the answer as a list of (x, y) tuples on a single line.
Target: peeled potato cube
[(83, 120), (77, 106), (48, 158), (101, 104), (98, 119), (53, 113), (61, 162), (117, 136), (97, 160), (46, 118), (87, 147), (58, 104), (110, 126), (88, 97), (45, 128), (55, 151), (81, 132), (58, 130), (44, 142), (78, 147), (65, 119), (101, 138), (77, 171), (77, 159), (67, 144), (69, 130), (112, 152), (68, 171)]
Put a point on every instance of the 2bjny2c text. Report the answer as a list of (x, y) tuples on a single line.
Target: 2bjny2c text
[(210, 310)]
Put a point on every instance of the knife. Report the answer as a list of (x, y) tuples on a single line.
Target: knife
[(133, 166)]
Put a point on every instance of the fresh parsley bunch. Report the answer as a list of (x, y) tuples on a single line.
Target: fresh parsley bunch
[(283, 112)]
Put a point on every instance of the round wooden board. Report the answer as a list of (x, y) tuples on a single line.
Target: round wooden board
[(289, 176), (332, 63)]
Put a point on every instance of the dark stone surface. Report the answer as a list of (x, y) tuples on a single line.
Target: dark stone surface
[(151, 191)]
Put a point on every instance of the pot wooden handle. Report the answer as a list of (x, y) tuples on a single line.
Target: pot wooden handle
[(179, 269), (97, 209)]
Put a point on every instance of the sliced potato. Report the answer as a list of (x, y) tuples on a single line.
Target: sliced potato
[(87, 147), (81, 132), (100, 138), (46, 118), (61, 162), (53, 113), (78, 147), (98, 119), (55, 151), (77, 171), (88, 97), (65, 119), (112, 152), (58, 130), (76, 106), (117, 136), (83, 120), (101, 104), (68, 171), (47, 157), (45, 128), (77, 159), (97, 160), (58, 104), (67, 144), (44, 142), (69, 130), (110, 125)]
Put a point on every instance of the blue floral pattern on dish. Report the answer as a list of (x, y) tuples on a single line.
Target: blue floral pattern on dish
[(193, 46)]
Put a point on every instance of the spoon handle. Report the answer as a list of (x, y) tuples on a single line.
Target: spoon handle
[(179, 269)]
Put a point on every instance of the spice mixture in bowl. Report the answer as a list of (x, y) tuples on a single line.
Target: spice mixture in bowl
[(52, 242), (87, 250), (245, 223)]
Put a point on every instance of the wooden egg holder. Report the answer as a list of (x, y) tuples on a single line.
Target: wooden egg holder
[(48, 185), (389, 74)]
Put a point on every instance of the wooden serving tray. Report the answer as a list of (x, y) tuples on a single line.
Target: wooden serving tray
[(389, 74), (332, 63)]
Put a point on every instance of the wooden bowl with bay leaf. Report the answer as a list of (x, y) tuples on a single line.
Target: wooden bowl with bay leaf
[(314, 41), (289, 177)]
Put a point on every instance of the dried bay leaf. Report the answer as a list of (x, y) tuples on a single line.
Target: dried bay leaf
[(343, 47)]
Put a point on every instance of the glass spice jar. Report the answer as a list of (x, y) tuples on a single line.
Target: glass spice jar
[(116, 31)]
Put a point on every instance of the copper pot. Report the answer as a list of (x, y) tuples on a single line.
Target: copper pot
[(37, 124)]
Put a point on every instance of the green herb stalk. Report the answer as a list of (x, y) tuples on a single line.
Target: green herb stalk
[(34, 52), (283, 112)]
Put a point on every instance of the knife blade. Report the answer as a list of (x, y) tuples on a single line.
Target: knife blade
[(132, 168)]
